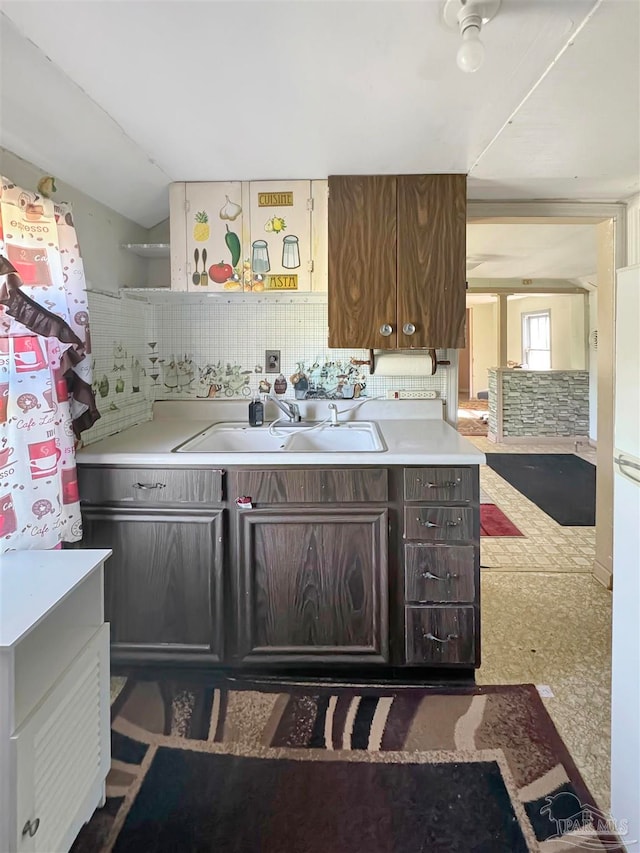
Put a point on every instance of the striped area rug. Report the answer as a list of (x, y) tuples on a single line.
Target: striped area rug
[(281, 768)]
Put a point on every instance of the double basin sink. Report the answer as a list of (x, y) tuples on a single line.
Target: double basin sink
[(352, 437)]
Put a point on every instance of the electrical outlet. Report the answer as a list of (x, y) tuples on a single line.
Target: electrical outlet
[(272, 361), (412, 395)]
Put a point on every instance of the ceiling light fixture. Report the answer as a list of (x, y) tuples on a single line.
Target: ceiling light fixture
[(468, 17)]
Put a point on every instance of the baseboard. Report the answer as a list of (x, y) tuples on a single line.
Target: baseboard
[(542, 439), (603, 575)]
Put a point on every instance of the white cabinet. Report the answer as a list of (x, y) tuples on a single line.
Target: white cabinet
[(54, 684), (248, 236)]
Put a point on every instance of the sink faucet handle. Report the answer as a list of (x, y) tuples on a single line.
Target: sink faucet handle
[(333, 409)]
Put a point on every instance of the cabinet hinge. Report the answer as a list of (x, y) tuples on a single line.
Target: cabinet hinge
[(309, 204), (310, 266), (187, 205)]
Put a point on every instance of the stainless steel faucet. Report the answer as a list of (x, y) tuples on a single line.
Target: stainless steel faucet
[(291, 410)]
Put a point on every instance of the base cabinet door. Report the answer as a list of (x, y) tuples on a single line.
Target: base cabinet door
[(163, 584), (312, 586)]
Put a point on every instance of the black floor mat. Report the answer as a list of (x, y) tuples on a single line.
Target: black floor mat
[(561, 484)]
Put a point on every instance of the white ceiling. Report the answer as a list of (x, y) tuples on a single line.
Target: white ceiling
[(121, 98), (496, 251)]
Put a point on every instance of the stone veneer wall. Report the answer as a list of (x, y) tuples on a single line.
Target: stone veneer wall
[(493, 402), (540, 403)]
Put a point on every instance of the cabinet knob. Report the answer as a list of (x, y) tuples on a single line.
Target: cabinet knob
[(386, 330), (31, 827), (408, 329)]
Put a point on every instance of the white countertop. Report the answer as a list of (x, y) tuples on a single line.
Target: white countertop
[(416, 436), (32, 583)]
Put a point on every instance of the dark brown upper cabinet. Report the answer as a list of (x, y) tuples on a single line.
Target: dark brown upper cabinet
[(397, 261)]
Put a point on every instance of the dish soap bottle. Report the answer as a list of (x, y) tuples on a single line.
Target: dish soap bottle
[(256, 412)]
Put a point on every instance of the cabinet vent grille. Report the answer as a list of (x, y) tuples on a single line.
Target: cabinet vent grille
[(594, 339), (67, 756)]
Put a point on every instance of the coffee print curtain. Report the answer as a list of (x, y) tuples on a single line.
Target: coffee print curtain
[(46, 398)]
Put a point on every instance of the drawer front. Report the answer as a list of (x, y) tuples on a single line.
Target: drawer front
[(314, 486), (149, 485), (449, 523), (440, 635), (435, 573), (438, 484)]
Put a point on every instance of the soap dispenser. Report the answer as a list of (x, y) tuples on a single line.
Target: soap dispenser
[(256, 412)]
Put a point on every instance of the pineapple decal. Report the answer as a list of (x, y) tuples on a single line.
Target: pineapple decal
[(201, 228)]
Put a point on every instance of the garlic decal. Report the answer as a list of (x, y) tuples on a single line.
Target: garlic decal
[(230, 210)]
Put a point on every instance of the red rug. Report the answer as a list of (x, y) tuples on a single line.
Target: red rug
[(493, 522)]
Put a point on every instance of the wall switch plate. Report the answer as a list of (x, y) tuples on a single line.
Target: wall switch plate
[(272, 361), (412, 395)]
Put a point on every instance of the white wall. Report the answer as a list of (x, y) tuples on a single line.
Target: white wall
[(593, 367), (633, 230), (567, 328), (484, 343), (101, 231)]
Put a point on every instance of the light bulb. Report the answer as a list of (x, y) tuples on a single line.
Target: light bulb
[(470, 55)]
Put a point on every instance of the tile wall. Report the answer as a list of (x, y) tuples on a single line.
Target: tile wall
[(119, 333), (218, 348), (190, 349)]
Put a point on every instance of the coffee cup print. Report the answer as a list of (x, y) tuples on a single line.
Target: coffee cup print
[(70, 494), (5, 457), (48, 398), (43, 458), (28, 354), (4, 401), (8, 520)]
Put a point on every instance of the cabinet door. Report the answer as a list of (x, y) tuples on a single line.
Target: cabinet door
[(280, 227), (163, 583), (62, 753), (362, 261), (214, 224), (313, 585), (432, 211)]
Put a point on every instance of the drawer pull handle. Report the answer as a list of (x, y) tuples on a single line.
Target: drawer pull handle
[(452, 523), (447, 484), (433, 637), (30, 828), (431, 577), (428, 523), (148, 486)]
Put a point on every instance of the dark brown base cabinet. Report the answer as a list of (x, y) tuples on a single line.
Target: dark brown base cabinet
[(313, 585), (332, 570), (163, 590)]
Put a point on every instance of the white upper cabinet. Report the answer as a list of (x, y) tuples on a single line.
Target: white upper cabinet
[(248, 236), (280, 227), (207, 222)]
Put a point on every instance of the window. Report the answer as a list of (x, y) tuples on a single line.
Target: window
[(536, 340)]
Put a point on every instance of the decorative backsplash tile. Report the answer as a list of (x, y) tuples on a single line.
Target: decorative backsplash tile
[(213, 349), (121, 379)]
